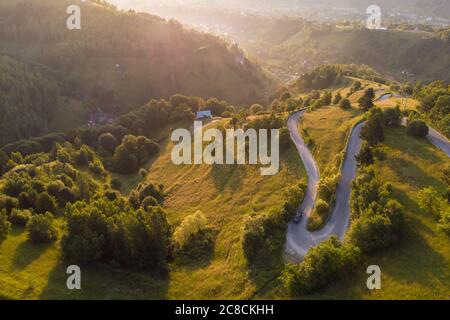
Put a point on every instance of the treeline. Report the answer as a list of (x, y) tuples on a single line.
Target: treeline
[(27, 99), (327, 76), (126, 144), (435, 104)]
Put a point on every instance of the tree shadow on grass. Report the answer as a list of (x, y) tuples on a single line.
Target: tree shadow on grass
[(26, 253), (102, 282), (397, 139), (264, 272), (414, 261), (409, 173)]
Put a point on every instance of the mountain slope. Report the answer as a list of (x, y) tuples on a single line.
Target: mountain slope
[(126, 57), (27, 98), (408, 55)]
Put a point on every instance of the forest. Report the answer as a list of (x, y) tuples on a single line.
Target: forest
[(117, 61)]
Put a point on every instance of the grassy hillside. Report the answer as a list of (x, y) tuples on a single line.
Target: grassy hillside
[(328, 128), (226, 195)]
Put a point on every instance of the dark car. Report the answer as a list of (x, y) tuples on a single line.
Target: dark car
[(298, 217)]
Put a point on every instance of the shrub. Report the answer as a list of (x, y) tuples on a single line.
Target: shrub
[(41, 228), (8, 203), (5, 225), (54, 188), (116, 184), (392, 116), (373, 131), (45, 203), (27, 199), (96, 167), (20, 217), (149, 201), (345, 104), (254, 109), (322, 207), (417, 129), (190, 226), (372, 232), (337, 98), (143, 190), (253, 238), (112, 195), (327, 187), (108, 142), (365, 156)]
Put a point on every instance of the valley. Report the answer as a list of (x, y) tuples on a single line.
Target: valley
[(245, 153)]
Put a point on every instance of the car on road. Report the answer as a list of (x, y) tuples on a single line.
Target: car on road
[(298, 217)]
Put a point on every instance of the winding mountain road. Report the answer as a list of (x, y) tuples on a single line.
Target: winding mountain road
[(299, 239)]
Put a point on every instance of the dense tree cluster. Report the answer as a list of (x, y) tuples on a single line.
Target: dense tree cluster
[(327, 76), (133, 152), (437, 204), (366, 101), (326, 262), (435, 104), (44, 187), (376, 218), (377, 121), (320, 78), (114, 232), (146, 194), (325, 201), (417, 129), (27, 99), (41, 228)]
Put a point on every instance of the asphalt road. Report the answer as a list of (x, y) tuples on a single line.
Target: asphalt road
[(439, 140), (299, 239)]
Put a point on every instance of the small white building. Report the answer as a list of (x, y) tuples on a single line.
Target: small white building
[(205, 114)]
